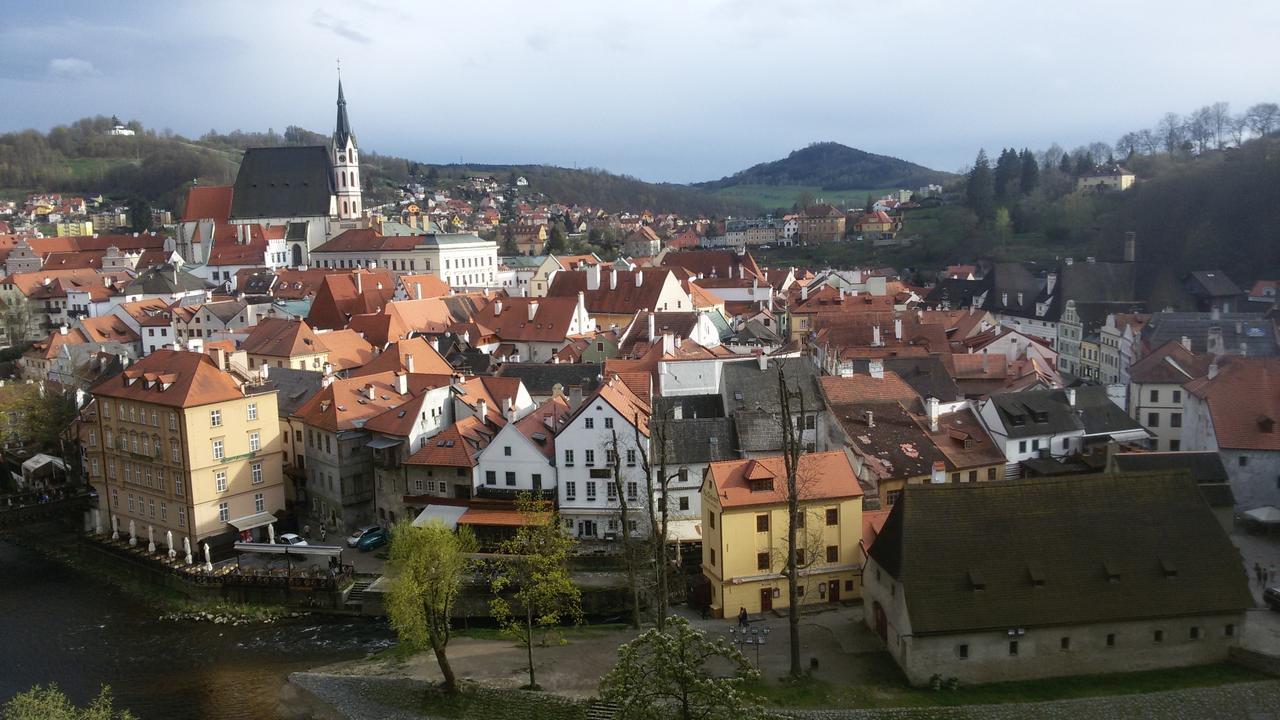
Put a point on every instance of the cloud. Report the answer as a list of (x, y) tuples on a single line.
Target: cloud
[(72, 69), (339, 27)]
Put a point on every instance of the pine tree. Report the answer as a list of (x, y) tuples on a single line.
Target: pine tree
[(1030, 174), (1065, 165), (980, 188), (1084, 164), (1007, 174)]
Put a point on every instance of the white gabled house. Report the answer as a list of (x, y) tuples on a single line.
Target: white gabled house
[(520, 458), (588, 498)]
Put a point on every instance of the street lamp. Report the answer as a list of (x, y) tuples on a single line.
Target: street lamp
[(754, 636)]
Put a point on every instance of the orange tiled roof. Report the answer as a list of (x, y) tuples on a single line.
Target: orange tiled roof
[(1244, 402), (208, 203), (173, 378), (347, 350), (283, 338), (866, 389), (822, 476), (395, 358)]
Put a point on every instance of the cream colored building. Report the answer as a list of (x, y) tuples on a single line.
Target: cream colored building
[(179, 444)]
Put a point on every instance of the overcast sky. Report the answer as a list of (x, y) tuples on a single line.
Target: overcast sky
[(679, 90)]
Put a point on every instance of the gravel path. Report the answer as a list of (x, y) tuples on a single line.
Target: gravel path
[(353, 696)]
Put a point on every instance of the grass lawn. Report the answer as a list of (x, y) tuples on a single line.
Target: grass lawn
[(776, 196), (888, 688)]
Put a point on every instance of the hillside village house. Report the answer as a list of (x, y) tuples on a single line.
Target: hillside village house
[(969, 582), (589, 498), (530, 329), (613, 297), (521, 457), (182, 445), (1156, 391), (1105, 179), (820, 224), (745, 525)]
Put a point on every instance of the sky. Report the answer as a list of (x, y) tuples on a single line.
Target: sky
[(664, 90)]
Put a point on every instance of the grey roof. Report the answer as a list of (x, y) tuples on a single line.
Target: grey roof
[(1033, 413), (690, 406), (1016, 291), (163, 280), (522, 261), (438, 239), (747, 387), (282, 182), (955, 292), (1205, 467), (758, 431), (1132, 547), (1098, 282), (293, 387), (755, 332), (928, 375), (342, 128), (259, 283), (540, 378), (226, 310), (1256, 332), (702, 440), (1211, 283)]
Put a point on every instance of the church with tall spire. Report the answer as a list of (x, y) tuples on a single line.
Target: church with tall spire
[(346, 164)]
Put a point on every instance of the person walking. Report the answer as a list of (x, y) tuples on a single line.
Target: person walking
[(743, 620)]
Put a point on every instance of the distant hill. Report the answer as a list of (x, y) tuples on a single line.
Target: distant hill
[(831, 166), (83, 158)]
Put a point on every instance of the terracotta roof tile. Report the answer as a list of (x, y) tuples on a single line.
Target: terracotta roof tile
[(171, 377), (822, 476)]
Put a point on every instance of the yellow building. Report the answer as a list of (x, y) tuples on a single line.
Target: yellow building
[(1103, 179), (179, 444), (284, 342), (74, 229), (744, 531)]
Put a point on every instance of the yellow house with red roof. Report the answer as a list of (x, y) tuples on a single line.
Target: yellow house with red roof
[(745, 525)]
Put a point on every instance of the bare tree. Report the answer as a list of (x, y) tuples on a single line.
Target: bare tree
[(613, 453), (1172, 132), (1128, 143), (1148, 141), (1200, 128), (1220, 122), (657, 484), (1263, 118), (792, 447), (1239, 128)]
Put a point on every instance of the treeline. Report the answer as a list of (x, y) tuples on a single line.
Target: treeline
[(1205, 196)]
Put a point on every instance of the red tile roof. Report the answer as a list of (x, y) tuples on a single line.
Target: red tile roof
[(546, 420), (173, 378), (396, 358), (625, 299), (508, 319), (716, 263), (208, 203), (458, 445), (283, 338), (347, 350), (368, 240), (355, 292), (1244, 402), (821, 476), (866, 389)]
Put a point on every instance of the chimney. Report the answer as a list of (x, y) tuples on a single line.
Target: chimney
[(593, 277), (652, 326), (220, 357), (668, 343), (1050, 282), (1186, 343), (497, 308), (263, 371), (984, 361), (370, 391), (408, 362), (328, 369), (639, 278), (575, 397), (897, 328), (804, 293), (1130, 246), (1213, 341), (482, 409), (326, 381), (62, 329), (359, 283), (1215, 313), (613, 278), (1071, 397), (1069, 261), (762, 360), (533, 310), (511, 411), (871, 419), (875, 368), (939, 474), (417, 291), (402, 383), (106, 281), (455, 379), (931, 406), (1213, 369), (875, 336)]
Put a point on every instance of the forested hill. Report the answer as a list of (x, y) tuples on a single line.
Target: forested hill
[(83, 158), (832, 166)]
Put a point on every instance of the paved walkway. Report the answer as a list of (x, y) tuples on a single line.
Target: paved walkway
[(1262, 550)]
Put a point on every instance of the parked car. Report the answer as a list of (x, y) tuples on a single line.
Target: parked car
[(359, 533), (290, 539), (375, 538), (1271, 596)]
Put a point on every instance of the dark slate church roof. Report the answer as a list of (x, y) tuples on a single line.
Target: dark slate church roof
[(1131, 547), (282, 182)]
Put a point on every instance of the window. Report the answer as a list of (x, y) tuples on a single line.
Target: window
[(610, 488), (610, 457), (218, 453), (1157, 636), (109, 437), (253, 411), (255, 471), (1013, 647), (1229, 630), (1194, 633), (1242, 461), (571, 490), (833, 516), (254, 442), (151, 507), (973, 476), (833, 553), (224, 514), (1155, 396), (684, 502), (892, 497), (174, 452), (631, 456), (259, 503), (1064, 644), (215, 418), (506, 451), (591, 491), (1022, 446), (712, 518), (164, 511), (801, 513), (1065, 443), (220, 480), (179, 486), (1175, 420), (608, 423), (511, 479), (106, 409), (991, 473), (182, 518), (1153, 419), (490, 477), (1177, 396), (762, 523), (632, 490), (590, 457), (963, 651), (590, 423), (713, 555), (1175, 445), (537, 481), (762, 561)]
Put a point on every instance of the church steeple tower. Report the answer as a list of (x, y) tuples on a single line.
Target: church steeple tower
[(346, 163)]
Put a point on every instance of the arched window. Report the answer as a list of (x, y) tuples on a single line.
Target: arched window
[(342, 179), (352, 176), (344, 207)]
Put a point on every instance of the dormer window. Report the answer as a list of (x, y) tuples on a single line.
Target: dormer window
[(1036, 573), (977, 582), (1169, 569), (1112, 571), (762, 485)]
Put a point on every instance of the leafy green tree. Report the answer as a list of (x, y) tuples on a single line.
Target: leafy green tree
[(558, 240), (47, 702), (428, 567), (1002, 227), (532, 588), (980, 188), (663, 674)]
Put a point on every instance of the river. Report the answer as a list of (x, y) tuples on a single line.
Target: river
[(56, 625)]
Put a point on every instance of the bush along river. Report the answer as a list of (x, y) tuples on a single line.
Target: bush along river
[(63, 626)]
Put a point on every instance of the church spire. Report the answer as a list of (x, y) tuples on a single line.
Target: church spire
[(342, 131)]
